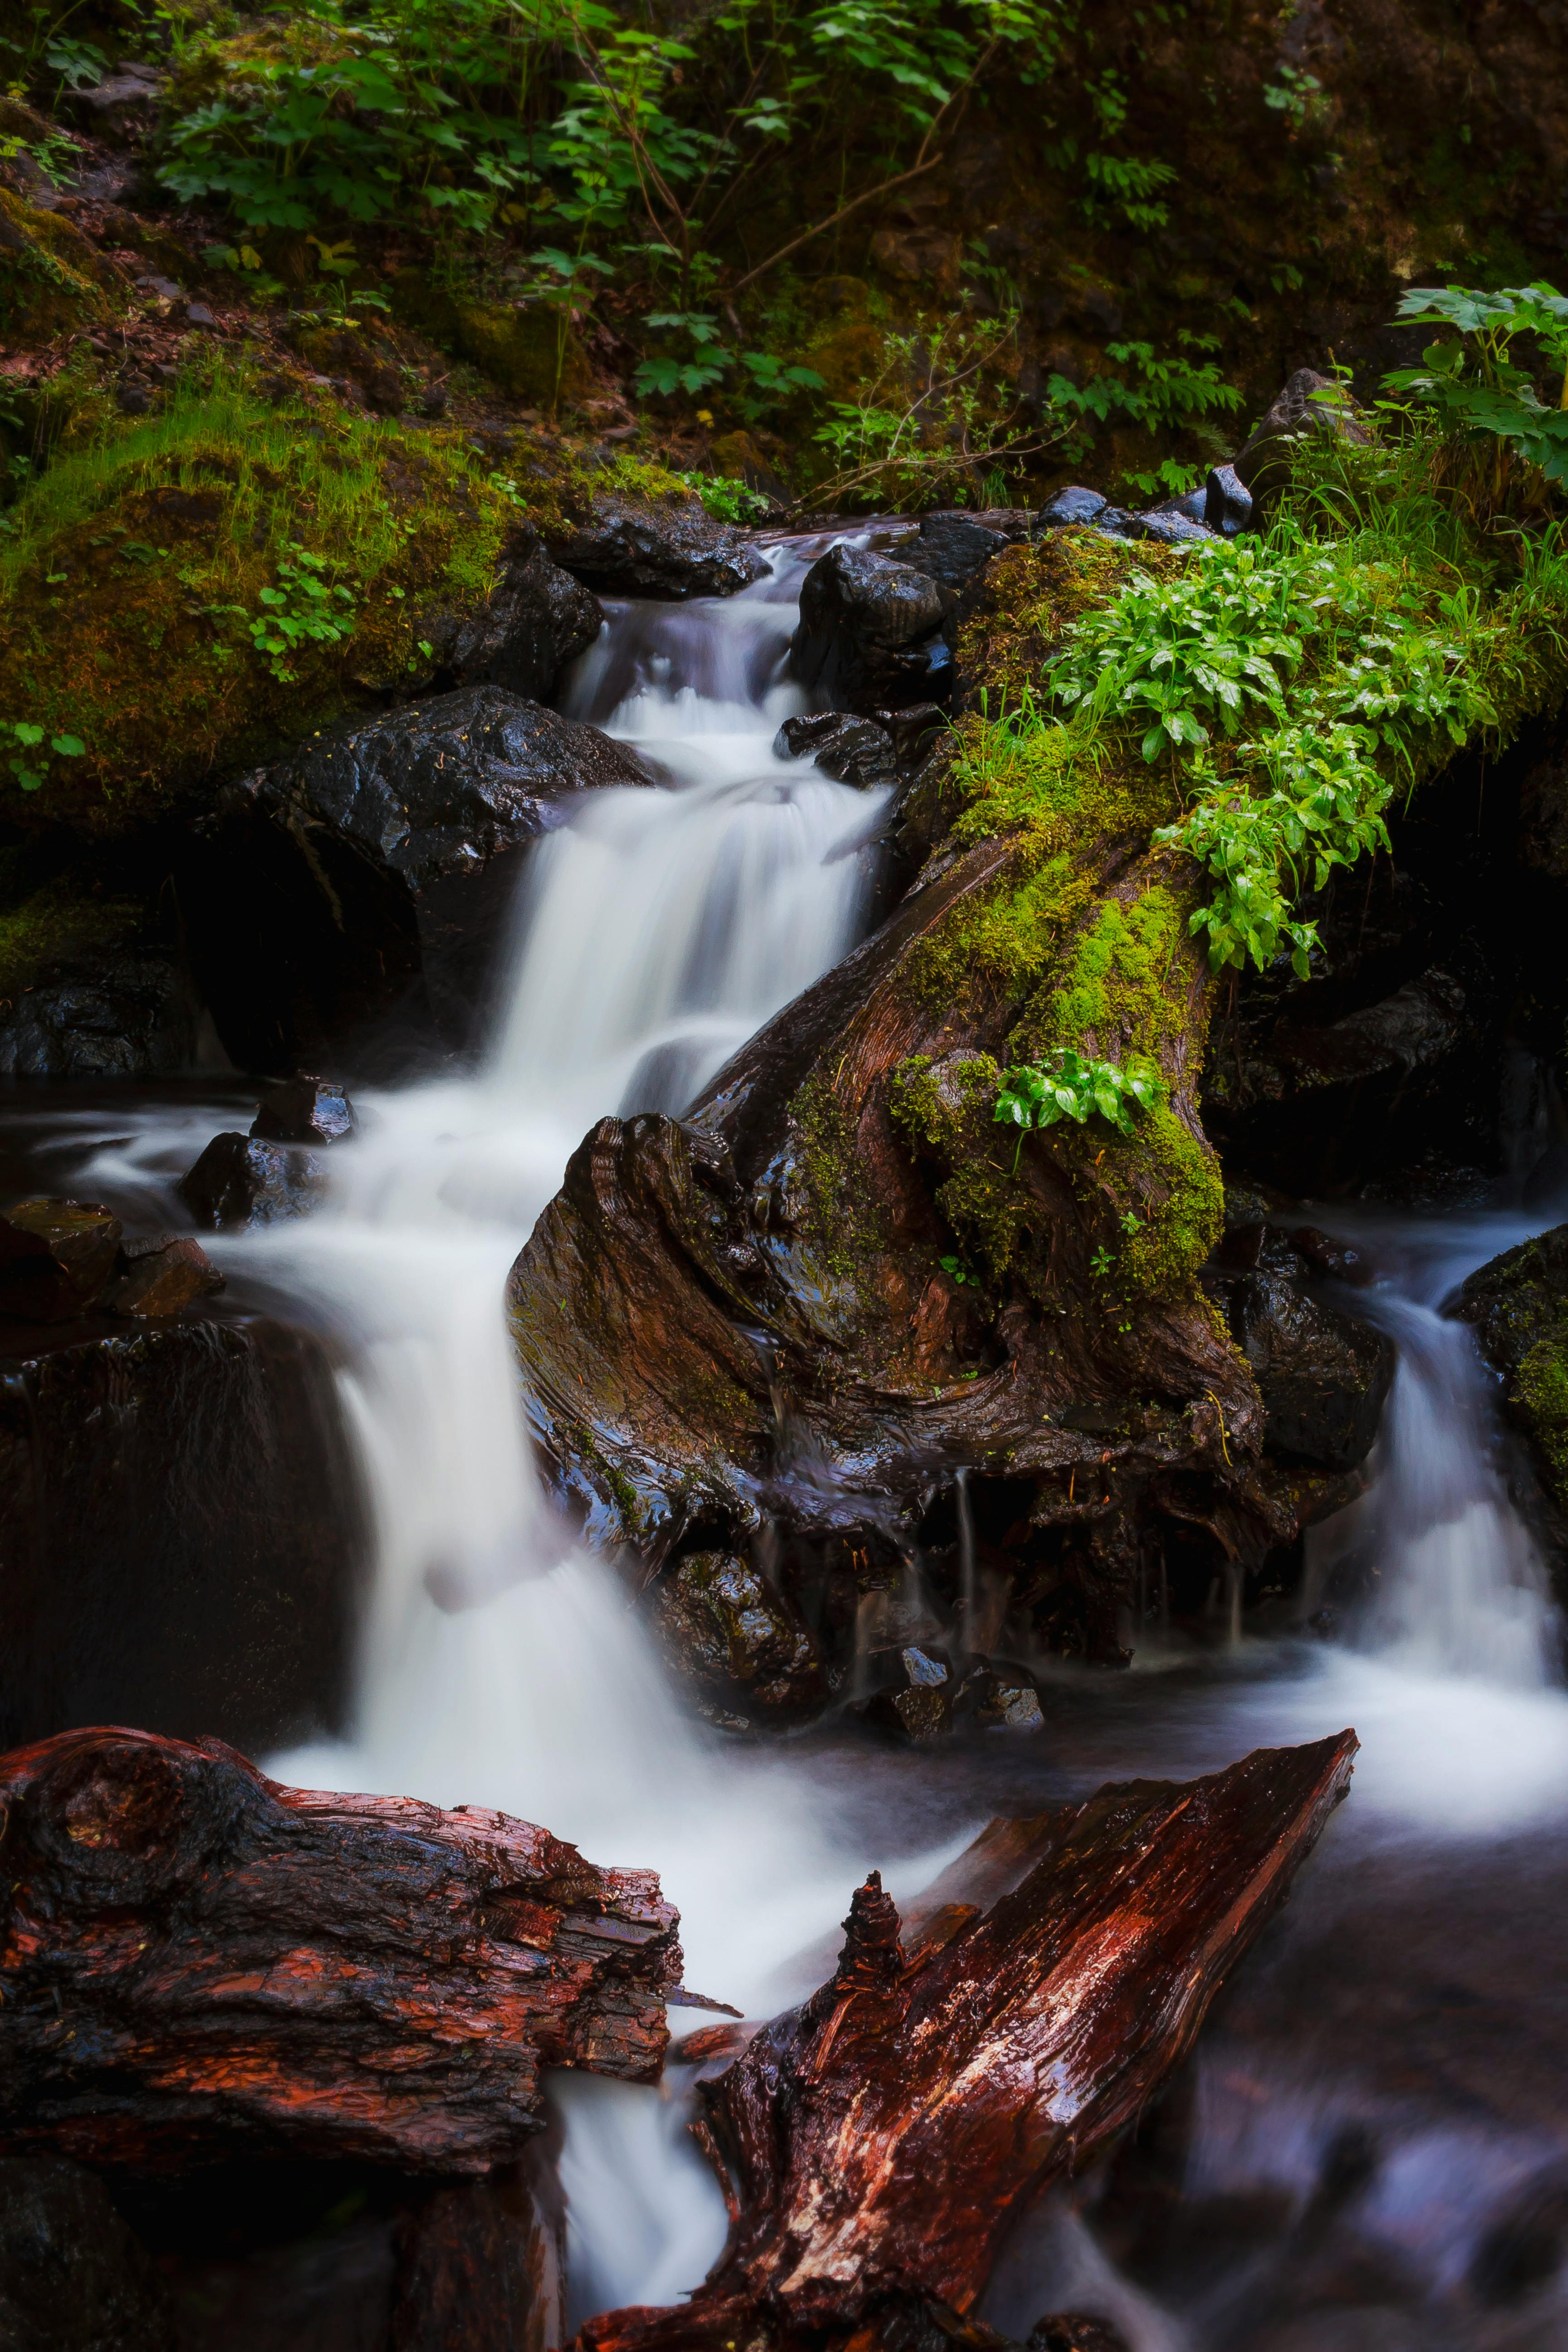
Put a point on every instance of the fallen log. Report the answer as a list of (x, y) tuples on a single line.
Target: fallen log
[(195, 1959), (877, 2142)]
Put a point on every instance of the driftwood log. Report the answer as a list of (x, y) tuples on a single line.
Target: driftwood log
[(877, 2143), (195, 1960)]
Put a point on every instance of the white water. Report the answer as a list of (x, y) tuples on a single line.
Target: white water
[(499, 1665)]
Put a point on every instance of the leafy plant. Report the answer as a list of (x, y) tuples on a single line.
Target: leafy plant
[(727, 499), (1296, 94), (1473, 386), (302, 609), (1071, 1085), (939, 419), (27, 736)]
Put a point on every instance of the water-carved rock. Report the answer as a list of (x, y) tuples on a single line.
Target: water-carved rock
[(197, 1959), (161, 1275), (855, 750), (733, 1638), (1518, 1307), (869, 630), (537, 620), (305, 1109), (56, 1258), (240, 1181), (877, 2143), (374, 873), (626, 548)]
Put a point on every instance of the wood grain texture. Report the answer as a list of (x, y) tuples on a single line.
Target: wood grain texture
[(196, 1960)]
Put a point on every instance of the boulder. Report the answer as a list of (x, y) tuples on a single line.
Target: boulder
[(855, 750), (1518, 1307), (161, 1275), (1323, 1376), (240, 1183), (537, 619), (73, 2275), (56, 1257), (1169, 528), (741, 1649), (1228, 502), (1309, 404), (368, 881), (871, 630), (181, 1529), (953, 548), (304, 1109), (627, 548), (115, 1008), (1073, 505)]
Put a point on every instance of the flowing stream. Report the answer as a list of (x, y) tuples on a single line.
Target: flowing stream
[(498, 1663)]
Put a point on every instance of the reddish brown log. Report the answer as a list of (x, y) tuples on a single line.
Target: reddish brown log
[(196, 1960), (881, 2139)]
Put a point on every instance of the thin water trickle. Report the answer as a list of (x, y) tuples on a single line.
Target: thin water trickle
[(498, 1664)]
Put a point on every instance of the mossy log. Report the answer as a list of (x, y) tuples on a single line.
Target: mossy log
[(197, 1960), (839, 1279), (877, 2143)]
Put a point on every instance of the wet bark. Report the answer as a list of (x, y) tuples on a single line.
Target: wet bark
[(197, 1960), (877, 2142)]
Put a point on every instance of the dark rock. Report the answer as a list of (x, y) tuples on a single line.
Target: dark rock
[(1310, 404), (624, 549), (180, 1533), (1228, 502), (1069, 506), (56, 1257), (1322, 1378), (304, 1109), (1415, 1027), (920, 1713), (134, 400), (913, 729), (1076, 2331), (108, 999), (119, 109), (1518, 1307), (741, 1649), (161, 1276), (1005, 1697), (855, 750), (198, 315), (537, 619), (73, 2275), (370, 878), (1117, 522), (869, 630), (953, 548), (240, 1181), (1169, 528)]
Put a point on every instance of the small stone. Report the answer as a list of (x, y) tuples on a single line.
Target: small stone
[(305, 1109), (929, 1673), (921, 1714), (1074, 504), (132, 400), (240, 1181), (853, 750), (1228, 502), (56, 1256), (198, 315), (163, 1276)]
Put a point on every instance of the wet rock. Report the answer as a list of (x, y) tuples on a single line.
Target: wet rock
[(1309, 404), (920, 1713), (1411, 1029), (181, 1531), (869, 630), (73, 2275), (240, 1181), (304, 1109), (1322, 1378), (1005, 1697), (1168, 528), (105, 993), (162, 1275), (1074, 505), (56, 1257), (367, 883), (913, 729), (1517, 1308), (628, 548), (955, 548), (121, 107), (855, 750), (1075, 2331), (1228, 502), (537, 619), (741, 1649)]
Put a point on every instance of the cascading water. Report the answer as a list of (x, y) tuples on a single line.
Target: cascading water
[(657, 927)]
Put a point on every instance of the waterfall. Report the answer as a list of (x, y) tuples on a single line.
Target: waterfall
[(1455, 1583)]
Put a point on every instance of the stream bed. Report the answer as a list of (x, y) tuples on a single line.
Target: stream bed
[(1369, 2151)]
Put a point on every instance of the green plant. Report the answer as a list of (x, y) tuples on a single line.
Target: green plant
[(939, 419), (1169, 393), (27, 736), (1071, 1085), (303, 609), (1296, 94), (727, 499), (1473, 386)]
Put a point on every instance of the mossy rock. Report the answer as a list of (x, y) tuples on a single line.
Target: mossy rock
[(51, 278), (1519, 1307), (516, 345)]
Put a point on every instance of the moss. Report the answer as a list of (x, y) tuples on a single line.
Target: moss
[(518, 346), (41, 926), (1540, 1396), (133, 563), (51, 278), (842, 1232)]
